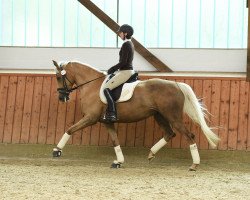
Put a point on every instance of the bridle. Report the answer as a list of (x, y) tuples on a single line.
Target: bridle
[(65, 90)]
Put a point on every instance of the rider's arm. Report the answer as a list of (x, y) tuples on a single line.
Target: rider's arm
[(123, 61)]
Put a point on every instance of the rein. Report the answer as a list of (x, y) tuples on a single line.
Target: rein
[(76, 87), (65, 91), (65, 87)]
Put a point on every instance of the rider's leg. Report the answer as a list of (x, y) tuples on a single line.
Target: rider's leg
[(111, 114), (118, 79)]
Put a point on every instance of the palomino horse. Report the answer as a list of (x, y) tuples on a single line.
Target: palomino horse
[(165, 100)]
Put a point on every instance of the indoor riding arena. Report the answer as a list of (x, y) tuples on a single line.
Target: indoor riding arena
[(46, 154)]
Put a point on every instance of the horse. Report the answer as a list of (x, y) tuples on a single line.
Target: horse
[(165, 100)]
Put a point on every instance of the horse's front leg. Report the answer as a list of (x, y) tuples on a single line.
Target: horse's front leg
[(119, 155), (84, 122)]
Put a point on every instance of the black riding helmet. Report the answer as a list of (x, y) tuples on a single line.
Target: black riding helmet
[(125, 28)]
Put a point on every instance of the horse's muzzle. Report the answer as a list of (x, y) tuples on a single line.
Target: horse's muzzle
[(63, 94)]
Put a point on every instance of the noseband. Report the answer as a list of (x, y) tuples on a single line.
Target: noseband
[(65, 91)]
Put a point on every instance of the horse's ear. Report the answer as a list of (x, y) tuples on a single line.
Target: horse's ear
[(56, 65)]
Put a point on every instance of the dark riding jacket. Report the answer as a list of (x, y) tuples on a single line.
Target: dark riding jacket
[(126, 55)]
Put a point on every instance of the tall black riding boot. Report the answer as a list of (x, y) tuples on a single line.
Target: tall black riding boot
[(110, 115)]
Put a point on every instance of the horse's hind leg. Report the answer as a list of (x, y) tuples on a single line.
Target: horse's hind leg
[(119, 155), (176, 121), (179, 126), (169, 134)]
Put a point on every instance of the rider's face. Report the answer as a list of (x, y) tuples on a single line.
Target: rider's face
[(122, 35)]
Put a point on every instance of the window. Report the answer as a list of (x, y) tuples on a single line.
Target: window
[(157, 23)]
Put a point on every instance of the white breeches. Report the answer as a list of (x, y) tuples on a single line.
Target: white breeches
[(120, 77)]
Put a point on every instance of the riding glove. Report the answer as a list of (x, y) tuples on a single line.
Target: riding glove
[(111, 70)]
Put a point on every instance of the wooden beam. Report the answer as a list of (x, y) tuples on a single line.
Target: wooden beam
[(152, 59), (248, 44)]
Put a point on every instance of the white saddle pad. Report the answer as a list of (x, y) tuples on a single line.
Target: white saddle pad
[(126, 94)]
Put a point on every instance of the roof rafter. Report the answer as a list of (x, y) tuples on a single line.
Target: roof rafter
[(152, 59)]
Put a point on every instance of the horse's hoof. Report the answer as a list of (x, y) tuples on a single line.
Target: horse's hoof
[(57, 153), (150, 159), (115, 165), (193, 167)]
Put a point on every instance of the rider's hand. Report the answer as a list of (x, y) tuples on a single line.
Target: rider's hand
[(111, 71)]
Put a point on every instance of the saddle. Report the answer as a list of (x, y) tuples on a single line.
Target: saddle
[(123, 92)]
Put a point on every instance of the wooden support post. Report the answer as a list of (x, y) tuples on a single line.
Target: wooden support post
[(248, 44), (152, 59)]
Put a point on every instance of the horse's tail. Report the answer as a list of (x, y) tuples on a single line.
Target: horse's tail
[(194, 109)]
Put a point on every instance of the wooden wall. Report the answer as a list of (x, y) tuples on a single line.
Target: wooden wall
[(31, 113)]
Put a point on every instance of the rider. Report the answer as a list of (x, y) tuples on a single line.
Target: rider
[(124, 68)]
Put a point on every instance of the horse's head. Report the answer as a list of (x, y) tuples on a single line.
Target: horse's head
[(65, 83)]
